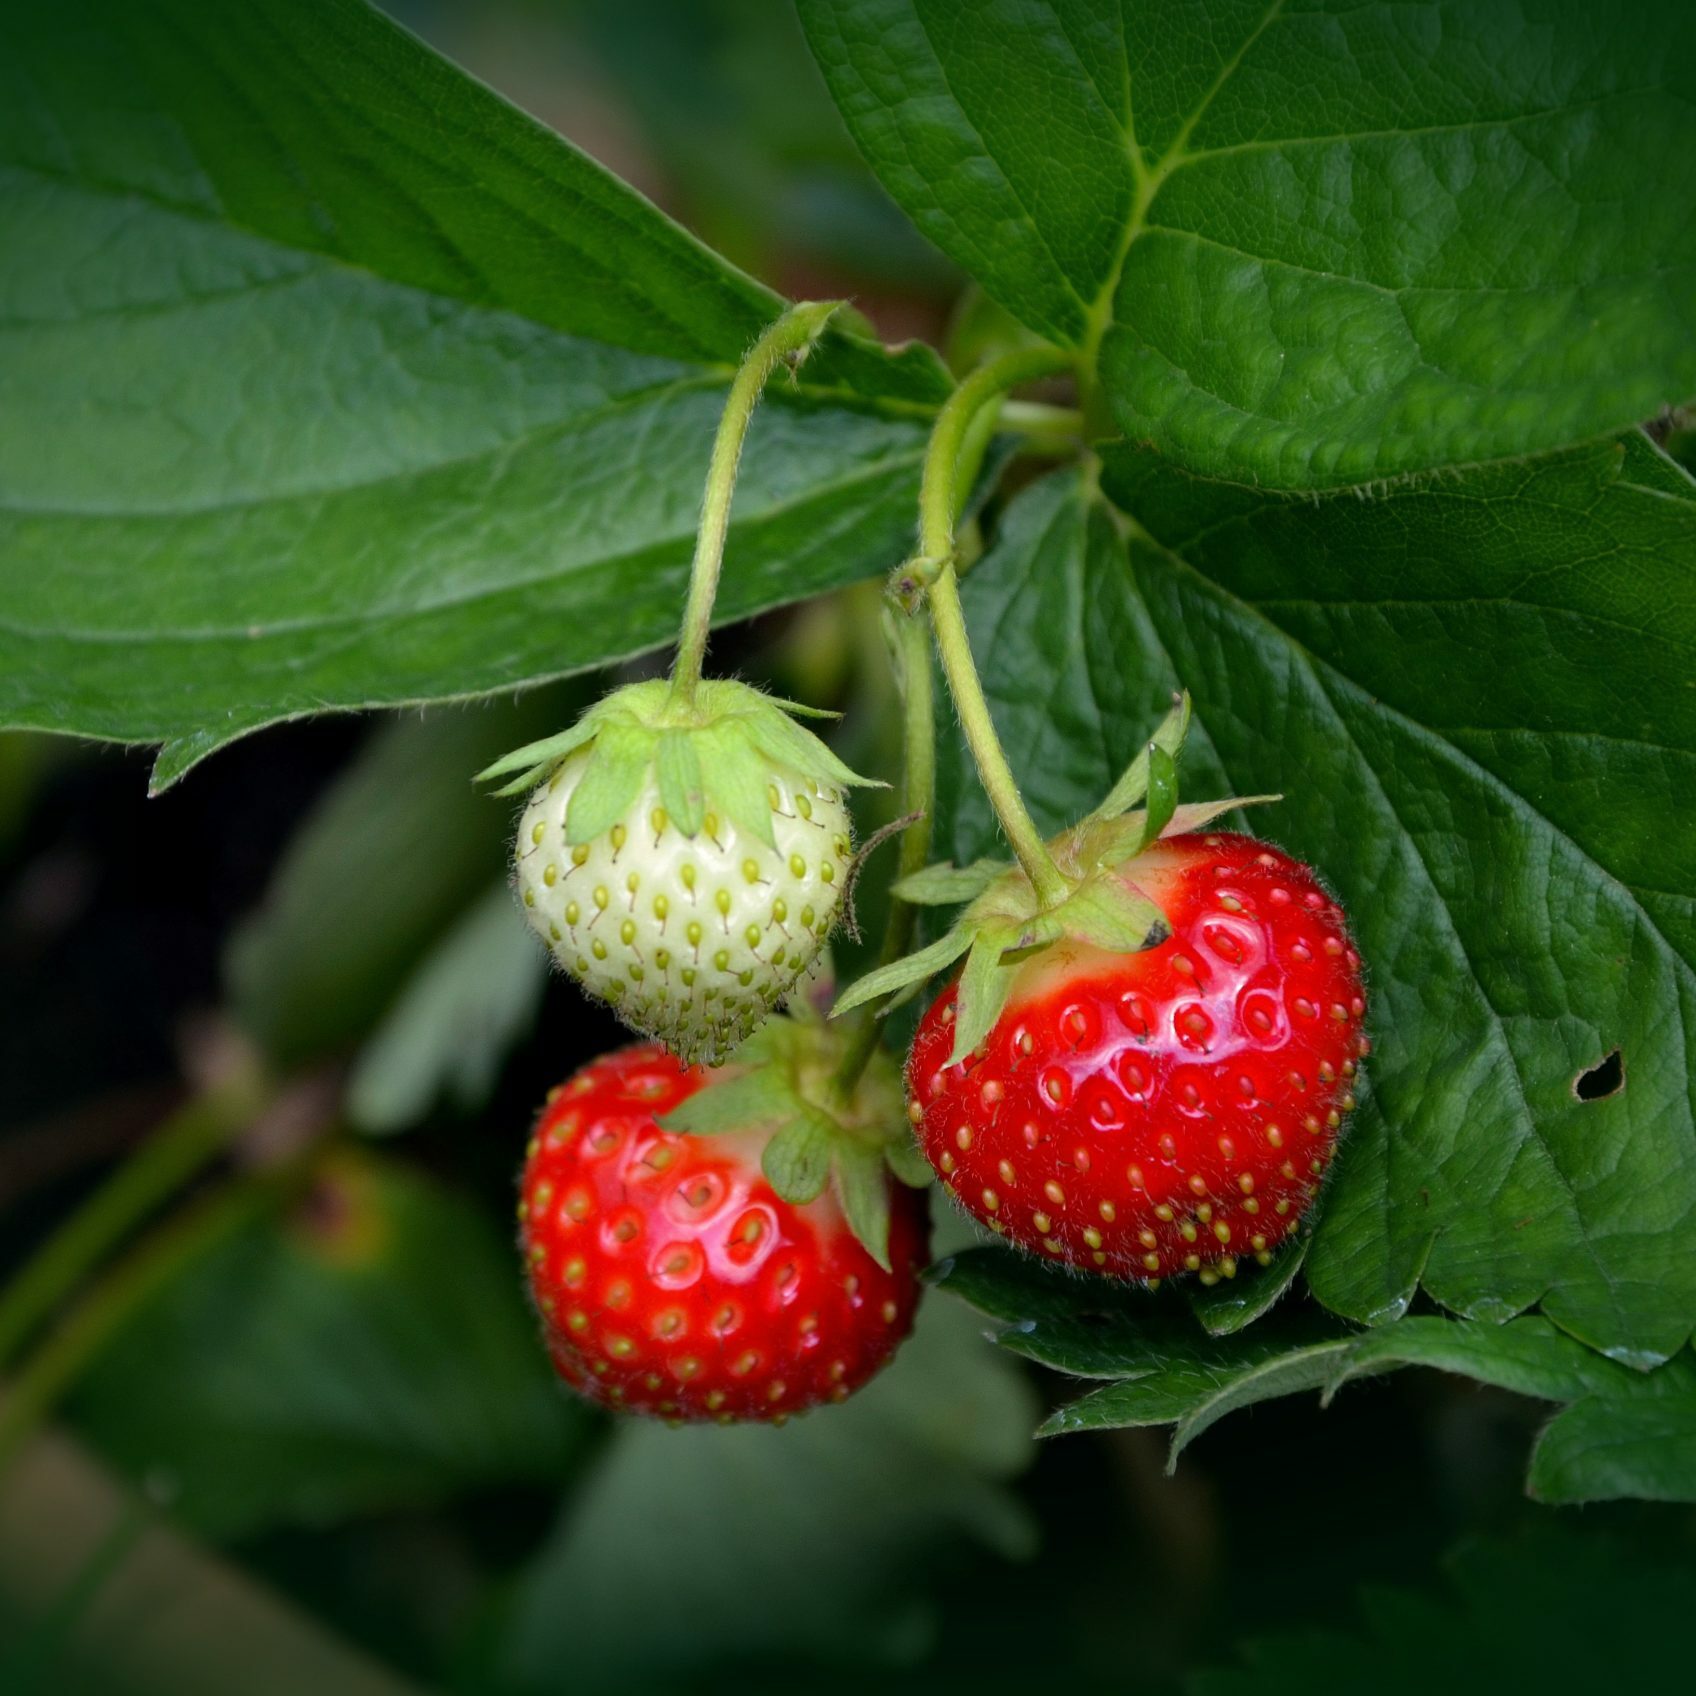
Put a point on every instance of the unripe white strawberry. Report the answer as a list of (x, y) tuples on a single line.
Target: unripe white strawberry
[(685, 870)]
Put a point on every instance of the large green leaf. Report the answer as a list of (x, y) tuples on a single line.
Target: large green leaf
[(327, 379), (1552, 1611), (369, 1350), (709, 1543), (1313, 243), (1620, 1432), (1474, 695)]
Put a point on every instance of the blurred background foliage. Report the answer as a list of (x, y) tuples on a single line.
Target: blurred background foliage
[(311, 1443)]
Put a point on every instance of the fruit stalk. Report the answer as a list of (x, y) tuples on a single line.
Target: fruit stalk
[(938, 506), (790, 338), (918, 802)]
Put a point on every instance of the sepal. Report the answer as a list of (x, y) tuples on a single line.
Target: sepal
[(719, 751), (797, 1160), (1004, 925), (782, 1082), (1133, 786), (913, 969), (947, 885), (861, 1178)]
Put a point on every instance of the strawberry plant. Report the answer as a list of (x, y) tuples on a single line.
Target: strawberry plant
[(1095, 645)]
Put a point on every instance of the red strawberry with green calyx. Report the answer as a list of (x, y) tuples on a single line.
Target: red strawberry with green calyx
[(1167, 1111), (1149, 1075), (718, 1275)]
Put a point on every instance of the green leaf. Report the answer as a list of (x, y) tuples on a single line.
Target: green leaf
[(1511, 908), (1438, 679), (392, 855), (677, 767), (619, 762), (861, 1175), (947, 885), (535, 757), (368, 1351), (915, 968), (1620, 1432), (826, 1537), (335, 381), (474, 995), (1602, 1449), (1312, 245), (1550, 1610), (797, 1159), (1235, 1303)]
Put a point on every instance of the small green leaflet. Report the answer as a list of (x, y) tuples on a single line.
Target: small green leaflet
[(762, 1095), (1133, 787), (861, 1176), (915, 968), (677, 769), (1112, 915), (535, 760), (946, 885), (984, 986), (618, 765), (797, 1159)]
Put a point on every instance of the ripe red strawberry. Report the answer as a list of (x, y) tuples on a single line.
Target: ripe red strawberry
[(671, 1277), (1165, 1111)]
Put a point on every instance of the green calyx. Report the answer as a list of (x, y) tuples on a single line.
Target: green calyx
[(1007, 924), (783, 1081), (715, 752)]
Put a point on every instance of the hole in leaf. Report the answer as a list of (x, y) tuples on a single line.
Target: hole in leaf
[(1605, 1078)]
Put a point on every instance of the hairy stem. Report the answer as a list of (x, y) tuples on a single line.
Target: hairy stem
[(939, 501), (918, 801), (790, 338), (938, 509)]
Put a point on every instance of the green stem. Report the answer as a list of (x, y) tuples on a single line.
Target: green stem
[(939, 503), (1043, 429), (918, 799), (938, 509), (186, 1143), (791, 337), (58, 1363)]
